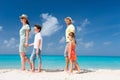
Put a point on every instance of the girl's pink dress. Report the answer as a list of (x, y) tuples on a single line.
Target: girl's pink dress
[(72, 52)]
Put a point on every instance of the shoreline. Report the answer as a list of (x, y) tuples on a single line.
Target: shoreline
[(11, 54), (101, 74)]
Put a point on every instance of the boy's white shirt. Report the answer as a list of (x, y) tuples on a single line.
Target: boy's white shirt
[(36, 40)]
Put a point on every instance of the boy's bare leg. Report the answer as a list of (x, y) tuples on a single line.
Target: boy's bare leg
[(39, 67), (33, 67)]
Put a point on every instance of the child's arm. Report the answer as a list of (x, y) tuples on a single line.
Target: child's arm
[(31, 44), (39, 44)]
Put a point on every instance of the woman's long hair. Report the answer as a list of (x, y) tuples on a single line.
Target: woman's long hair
[(27, 22)]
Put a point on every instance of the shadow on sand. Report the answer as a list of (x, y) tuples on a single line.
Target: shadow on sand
[(61, 70)]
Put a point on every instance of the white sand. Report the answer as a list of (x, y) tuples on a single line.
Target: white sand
[(60, 75)]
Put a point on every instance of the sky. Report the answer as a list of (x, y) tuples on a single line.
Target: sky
[(97, 24)]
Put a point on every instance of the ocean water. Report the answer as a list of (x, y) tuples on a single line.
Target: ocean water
[(58, 62)]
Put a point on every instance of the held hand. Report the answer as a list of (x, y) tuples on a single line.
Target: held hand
[(30, 44), (26, 44)]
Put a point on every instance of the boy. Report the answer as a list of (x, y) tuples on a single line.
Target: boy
[(37, 48)]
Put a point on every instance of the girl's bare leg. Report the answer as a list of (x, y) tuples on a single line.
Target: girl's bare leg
[(71, 66), (77, 66), (74, 67)]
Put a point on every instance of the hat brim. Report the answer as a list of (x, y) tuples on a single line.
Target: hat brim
[(23, 17)]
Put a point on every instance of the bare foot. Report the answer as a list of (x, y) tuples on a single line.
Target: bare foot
[(78, 72), (32, 70), (65, 69), (39, 70), (69, 72), (22, 69)]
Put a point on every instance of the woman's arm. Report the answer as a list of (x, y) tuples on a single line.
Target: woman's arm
[(27, 37)]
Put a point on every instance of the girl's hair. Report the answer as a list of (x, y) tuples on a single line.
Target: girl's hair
[(72, 34)]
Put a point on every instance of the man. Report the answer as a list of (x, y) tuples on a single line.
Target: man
[(70, 28)]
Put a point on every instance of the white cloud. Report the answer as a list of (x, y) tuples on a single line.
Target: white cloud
[(89, 44), (81, 43), (85, 22), (11, 43), (61, 48), (50, 24), (50, 44), (80, 36), (107, 43), (62, 40), (79, 40), (49, 47), (83, 25), (1, 28), (79, 29)]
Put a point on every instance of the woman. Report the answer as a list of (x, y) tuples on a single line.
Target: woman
[(24, 35)]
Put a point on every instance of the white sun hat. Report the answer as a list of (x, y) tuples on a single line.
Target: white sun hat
[(24, 16), (69, 18)]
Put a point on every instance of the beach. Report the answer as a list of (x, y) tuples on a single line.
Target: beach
[(15, 74), (92, 68)]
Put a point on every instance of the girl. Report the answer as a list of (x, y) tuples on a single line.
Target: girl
[(71, 52), (24, 35)]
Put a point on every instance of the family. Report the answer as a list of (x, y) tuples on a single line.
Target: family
[(69, 54)]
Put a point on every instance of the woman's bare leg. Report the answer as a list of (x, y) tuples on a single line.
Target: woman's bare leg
[(22, 55), (27, 60)]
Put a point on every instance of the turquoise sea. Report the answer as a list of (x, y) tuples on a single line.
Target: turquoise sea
[(12, 61)]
